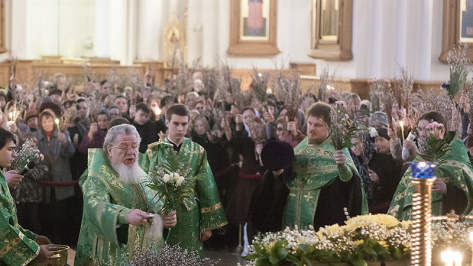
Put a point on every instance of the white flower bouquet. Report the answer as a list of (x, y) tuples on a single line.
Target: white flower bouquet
[(27, 153), (172, 188)]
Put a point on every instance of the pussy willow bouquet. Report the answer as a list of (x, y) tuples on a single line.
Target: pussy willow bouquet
[(344, 128), (26, 154)]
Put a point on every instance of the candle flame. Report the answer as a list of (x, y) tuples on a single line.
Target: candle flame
[(57, 121)]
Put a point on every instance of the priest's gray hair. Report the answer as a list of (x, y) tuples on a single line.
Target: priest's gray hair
[(123, 129)]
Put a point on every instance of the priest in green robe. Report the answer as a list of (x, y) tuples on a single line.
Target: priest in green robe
[(453, 188), (18, 246), (325, 186), (197, 218), (119, 209)]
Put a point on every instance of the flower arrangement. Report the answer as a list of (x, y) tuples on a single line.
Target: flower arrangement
[(26, 154), (172, 189), (460, 231), (167, 255), (363, 238)]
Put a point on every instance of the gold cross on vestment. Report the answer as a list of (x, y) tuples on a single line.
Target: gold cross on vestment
[(161, 135), (308, 196)]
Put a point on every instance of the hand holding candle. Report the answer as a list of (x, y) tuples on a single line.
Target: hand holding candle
[(57, 123), (401, 123)]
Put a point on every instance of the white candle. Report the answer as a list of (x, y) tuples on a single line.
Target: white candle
[(402, 129), (57, 123), (471, 238)]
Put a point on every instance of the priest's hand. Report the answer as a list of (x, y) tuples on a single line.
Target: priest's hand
[(44, 252), (42, 240), (439, 186), (169, 220), (339, 157), (13, 178), (137, 217), (205, 235)]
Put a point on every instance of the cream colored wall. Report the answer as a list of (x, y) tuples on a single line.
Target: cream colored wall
[(385, 33)]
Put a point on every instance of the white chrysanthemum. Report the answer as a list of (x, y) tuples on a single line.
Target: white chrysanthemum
[(179, 180), (166, 178)]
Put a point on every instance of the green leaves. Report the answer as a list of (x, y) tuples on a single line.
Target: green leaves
[(435, 149), (457, 80)]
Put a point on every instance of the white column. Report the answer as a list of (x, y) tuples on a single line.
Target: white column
[(102, 28), (194, 31), (209, 32), (376, 38), (131, 33), (16, 37), (150, 26), (425, 44), (401, 32), (439, 70)]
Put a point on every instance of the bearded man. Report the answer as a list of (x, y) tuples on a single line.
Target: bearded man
[(117, 203)]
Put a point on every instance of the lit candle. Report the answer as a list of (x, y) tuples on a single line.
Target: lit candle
[(57, 123), (447, 257), (471, 238), (402, 129), (457, 257), (11, 115), (158, 111)]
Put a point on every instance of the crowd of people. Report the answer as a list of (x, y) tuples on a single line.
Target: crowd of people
[(264, 164)]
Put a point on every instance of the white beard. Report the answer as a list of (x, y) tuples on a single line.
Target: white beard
[(130, 175)]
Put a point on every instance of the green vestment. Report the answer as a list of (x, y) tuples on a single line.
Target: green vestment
[(315, 168), (192, 217), (105, 237), (17, 245), (455, 170)]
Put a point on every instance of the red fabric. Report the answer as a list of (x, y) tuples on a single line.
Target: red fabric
[(224, 172), (255, 16), (245, 176)]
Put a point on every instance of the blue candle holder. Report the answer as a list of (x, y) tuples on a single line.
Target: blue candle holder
[(423, 169)]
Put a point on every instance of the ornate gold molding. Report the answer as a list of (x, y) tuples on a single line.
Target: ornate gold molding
[(240, 47), (3, 47), (333, 50), (451, 29)]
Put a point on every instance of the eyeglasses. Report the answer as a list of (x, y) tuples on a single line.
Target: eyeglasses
[(69, 103), (126, 147)]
